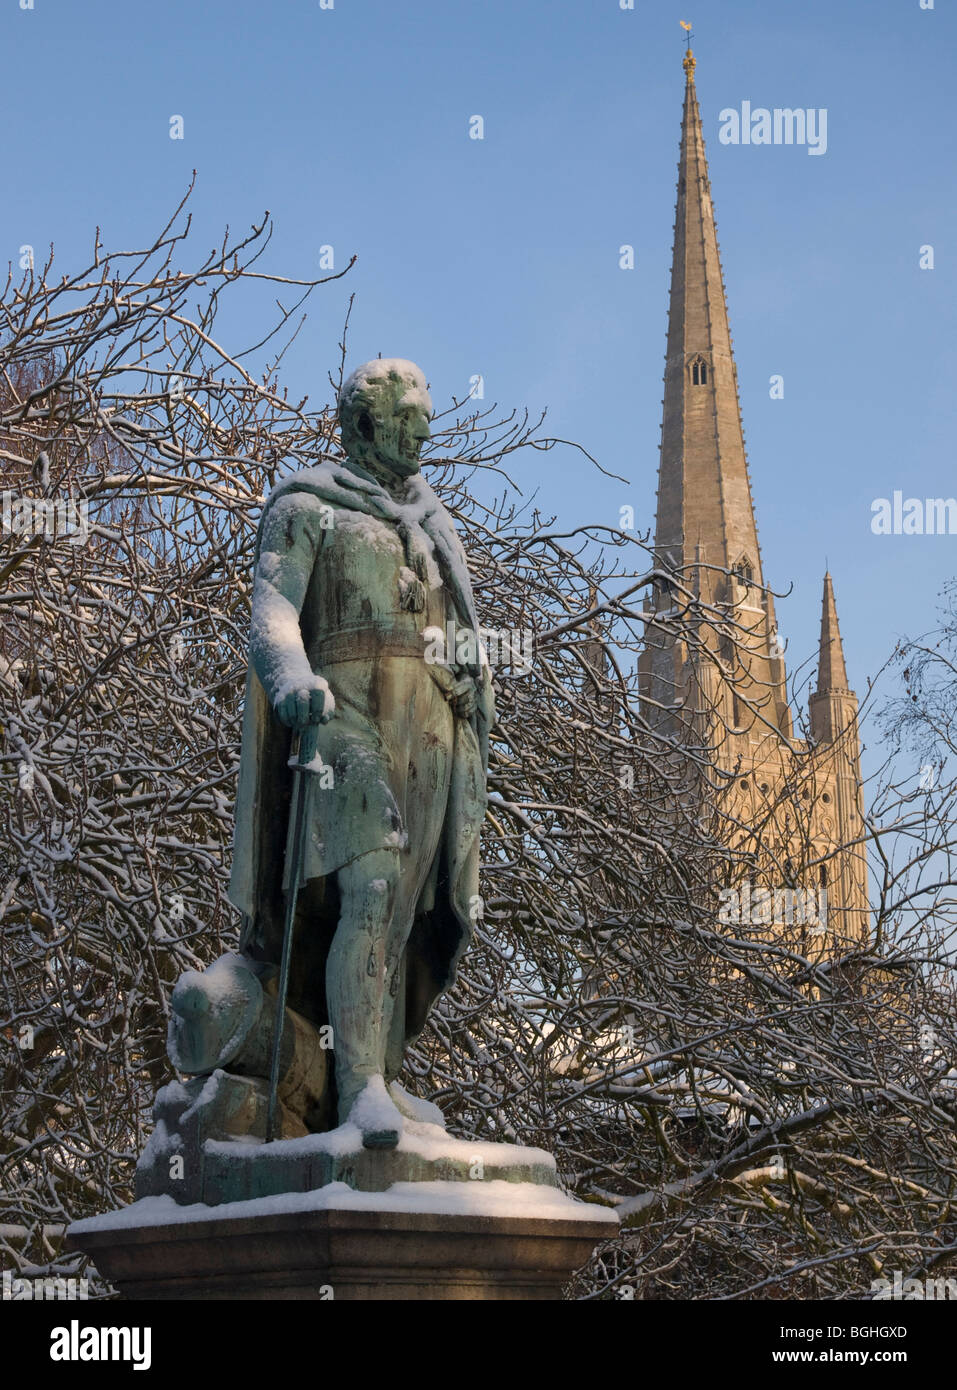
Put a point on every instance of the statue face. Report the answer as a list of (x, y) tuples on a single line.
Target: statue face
[(386, 418), (400, 431)]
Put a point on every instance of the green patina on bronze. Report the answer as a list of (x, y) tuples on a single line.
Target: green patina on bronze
[(354, 562)]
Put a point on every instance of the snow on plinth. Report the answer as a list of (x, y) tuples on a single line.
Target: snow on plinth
[(428, 1141), (497, 1198)]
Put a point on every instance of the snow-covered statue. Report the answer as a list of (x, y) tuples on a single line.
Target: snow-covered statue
[(362, 790)]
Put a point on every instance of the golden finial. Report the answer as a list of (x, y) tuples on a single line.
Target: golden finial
[(689, 62)]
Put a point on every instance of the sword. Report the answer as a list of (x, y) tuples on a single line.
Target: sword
[(308, 740)]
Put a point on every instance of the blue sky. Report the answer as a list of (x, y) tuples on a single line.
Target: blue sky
[(500, 257)]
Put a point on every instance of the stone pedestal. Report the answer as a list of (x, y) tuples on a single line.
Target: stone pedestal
[(249, 1251), (322, 1217)]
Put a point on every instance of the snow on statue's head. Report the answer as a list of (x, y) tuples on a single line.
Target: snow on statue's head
[(384, 414)]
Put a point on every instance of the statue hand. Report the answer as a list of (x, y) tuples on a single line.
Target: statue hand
[(463, 702), (309, 704)]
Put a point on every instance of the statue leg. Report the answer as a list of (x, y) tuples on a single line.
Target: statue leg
[(417, 888), (356, 988), (393, 1004)]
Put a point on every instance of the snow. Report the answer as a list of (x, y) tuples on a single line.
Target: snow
[(425, 1139), (497, 1198), (227, 981), (417, 392), (380, 534), (373, 1110), (275, 632), (369, 530), (413, 1107), (315, 763)]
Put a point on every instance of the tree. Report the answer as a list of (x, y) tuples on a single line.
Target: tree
[(769, 1120)]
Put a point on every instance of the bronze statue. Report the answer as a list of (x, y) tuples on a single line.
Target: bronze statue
[(360, 579)]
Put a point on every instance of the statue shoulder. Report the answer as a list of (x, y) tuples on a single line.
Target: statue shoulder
[(294, 518)]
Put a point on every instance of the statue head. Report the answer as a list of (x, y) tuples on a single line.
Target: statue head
[(384, 414)]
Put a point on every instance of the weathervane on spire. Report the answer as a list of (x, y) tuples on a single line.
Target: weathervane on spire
[(689, 63)]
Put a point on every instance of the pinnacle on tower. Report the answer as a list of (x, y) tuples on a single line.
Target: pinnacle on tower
[(831, 670)]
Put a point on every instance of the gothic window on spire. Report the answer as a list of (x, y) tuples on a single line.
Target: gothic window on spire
[(699, 372), (744, 570)]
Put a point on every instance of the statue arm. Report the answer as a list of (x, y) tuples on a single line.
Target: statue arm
[(291, 538)]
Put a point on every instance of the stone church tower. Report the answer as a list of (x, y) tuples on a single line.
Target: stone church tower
[(724, 683)]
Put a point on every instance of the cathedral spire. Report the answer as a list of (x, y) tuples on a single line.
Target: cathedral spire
[(705, 524), (831, 670), (719, 675), (703, 485)]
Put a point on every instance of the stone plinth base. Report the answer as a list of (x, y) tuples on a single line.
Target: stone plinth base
[(191, 1134), (352, 1251)]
